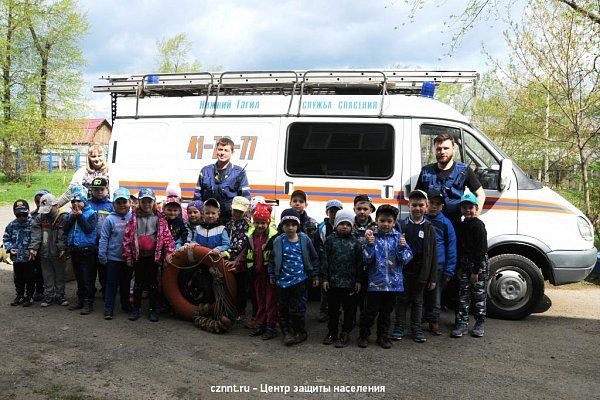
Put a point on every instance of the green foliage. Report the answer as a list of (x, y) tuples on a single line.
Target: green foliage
[(56, 182), (173, 55)]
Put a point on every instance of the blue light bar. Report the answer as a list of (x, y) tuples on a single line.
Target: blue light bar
[(428, 90)]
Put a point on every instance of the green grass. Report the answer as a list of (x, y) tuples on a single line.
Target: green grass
[(56, 182)]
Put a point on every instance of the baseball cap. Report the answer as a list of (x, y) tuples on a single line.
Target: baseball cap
[(46, 202), (335, 203), (417, 194), (469, 198), (240, 203), (146, 193), (212, 203), (290, 215), (435, 194), (121, 193), (20, 207), (364, 198), (78, 193), (299, 193), (41, 192), (99, 183), (387, 208)]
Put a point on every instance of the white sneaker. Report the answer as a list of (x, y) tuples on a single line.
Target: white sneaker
[(46, 302), (62, 301)]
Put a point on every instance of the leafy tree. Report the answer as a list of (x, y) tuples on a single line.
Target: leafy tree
[(173, 55)]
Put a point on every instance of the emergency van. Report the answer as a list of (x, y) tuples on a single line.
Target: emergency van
[(335, 134)]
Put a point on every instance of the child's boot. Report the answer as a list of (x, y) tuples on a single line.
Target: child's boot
[(258, 331), (398, 332), (134, 314), (363, 341), (329, 339), (18, 300), (108, 314), (270, 333), (342, 340), (27, 301), (434, 328), (288, 338), (460, 328), (152, 315), (77, 306), (384, 342), (478, 329)]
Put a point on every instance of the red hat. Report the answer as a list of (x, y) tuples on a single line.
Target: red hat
[(262, 212)]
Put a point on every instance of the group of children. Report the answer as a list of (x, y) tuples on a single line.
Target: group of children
[(365, 266)]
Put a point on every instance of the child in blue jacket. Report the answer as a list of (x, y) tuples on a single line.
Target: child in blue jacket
[(100, 202), (446, 250), (385, 255), (110, 253), (17, 235), (80, 228)]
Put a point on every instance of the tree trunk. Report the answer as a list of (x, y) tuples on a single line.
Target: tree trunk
[(584, 164), (44, 82), (7, 64)]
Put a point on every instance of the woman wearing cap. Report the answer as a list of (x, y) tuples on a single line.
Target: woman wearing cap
[(96, 168)]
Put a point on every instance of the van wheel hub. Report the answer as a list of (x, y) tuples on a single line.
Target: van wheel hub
[(509, 287)]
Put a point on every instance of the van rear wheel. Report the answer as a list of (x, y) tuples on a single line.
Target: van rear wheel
[(515, 287)]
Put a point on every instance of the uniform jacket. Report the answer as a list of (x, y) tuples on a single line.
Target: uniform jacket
[(234, 183), (164, 240), (385, 260), (110, 246), (310, 258), (341, 260), (452, 189), (82, 230), (48, 237), (446, 243), (17, 235)]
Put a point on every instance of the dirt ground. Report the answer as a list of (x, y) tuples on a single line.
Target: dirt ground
[(54, 353)]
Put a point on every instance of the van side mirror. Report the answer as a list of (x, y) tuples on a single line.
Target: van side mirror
[(506, 173)]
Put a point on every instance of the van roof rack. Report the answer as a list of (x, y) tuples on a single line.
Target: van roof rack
[(280, 82)]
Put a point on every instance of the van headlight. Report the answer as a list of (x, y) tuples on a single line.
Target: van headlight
[(585, 229)]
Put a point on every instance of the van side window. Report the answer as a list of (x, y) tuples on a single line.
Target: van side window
[(428, 133), (485, 165), (340, 150)]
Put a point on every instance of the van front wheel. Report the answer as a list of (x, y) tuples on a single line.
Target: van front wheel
[(515, 287)]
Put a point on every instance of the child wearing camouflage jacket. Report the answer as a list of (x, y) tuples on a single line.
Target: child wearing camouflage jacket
[(341, 267), (17, 235)]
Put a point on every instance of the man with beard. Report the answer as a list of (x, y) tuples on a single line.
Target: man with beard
[(450, 178)]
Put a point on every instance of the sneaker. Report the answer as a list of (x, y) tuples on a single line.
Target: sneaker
[(250, 324), (258, 331), (134, 314), (300, 337), (87, 308), (38, 296), (323, 317), (434, 328), (28, 301), (397, 334), (152, 315), (342, 341), (419, 337), (17, 301), (363, 342), (289, 339), (269, 334), (459, 329), (61, 301), (108, 314), (384, 343), (47, 302), (478, 329), (329, 339), (77, 306)]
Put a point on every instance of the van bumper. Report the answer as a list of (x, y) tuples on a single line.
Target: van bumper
[(572, 266)]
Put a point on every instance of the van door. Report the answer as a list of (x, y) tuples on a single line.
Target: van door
[(500, 212), (339, 159)]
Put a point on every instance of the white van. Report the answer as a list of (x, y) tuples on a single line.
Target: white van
[(336, 134)]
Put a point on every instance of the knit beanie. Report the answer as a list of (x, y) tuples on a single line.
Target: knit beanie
[(344, 216), (262, 212)]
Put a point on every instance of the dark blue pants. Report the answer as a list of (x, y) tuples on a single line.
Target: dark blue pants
[(84, 266), (24, 278), (291, 317), (118, 275)]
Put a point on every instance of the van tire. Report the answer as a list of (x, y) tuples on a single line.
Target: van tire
[(515, 287)]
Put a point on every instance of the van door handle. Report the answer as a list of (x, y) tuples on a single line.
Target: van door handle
[(114, 152), (288, 187), (388, 192)]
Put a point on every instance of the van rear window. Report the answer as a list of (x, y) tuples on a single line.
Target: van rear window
[(340, 150)]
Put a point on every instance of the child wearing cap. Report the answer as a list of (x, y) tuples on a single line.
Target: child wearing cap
[(37, 266), (110, 253), (472, 268), (293, 261), (363, 208), (385, 253), (146, 243), (256, 255), (420, 273), (341, 268), (81, 230), (17, 236), (194, 211), (446, 250), (299, 202), (324, 229), (48, 243), (237, 227), (172, 212), (100, 202)]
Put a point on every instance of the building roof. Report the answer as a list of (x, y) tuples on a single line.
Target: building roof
[(81, 131)]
